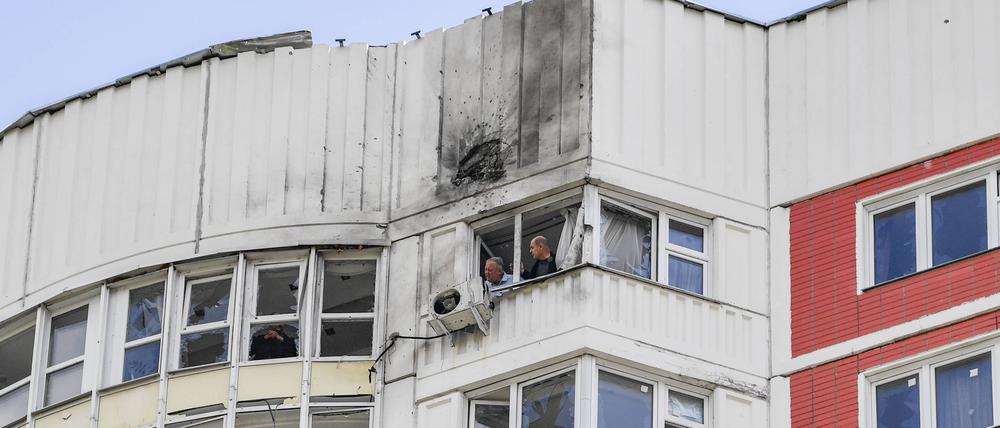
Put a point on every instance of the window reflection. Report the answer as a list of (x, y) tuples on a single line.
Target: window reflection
[(549, 403)]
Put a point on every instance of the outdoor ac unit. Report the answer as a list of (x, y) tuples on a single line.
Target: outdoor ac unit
[(460, 306)]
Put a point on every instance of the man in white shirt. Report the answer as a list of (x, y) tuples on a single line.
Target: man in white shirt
[(496, 277)]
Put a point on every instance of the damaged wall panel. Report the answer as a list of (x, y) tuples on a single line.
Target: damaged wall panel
[(74, 416), (193, 390), (132, 407), (17, 173), (341, 378), (259, 382)]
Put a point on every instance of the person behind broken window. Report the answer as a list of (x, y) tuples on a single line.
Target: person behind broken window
[(495, 274), (272, 342), (545, 260)]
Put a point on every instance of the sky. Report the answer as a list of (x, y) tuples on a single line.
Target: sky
[(58, 48)]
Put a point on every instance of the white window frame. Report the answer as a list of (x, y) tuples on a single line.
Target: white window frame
[(924, 366), (15, 327), (920, 194), (87, 358), (118, 306), (662, 249), (183, 328), (480, 402), (373, 254), (661, 394), (250, 318), (341, 407)]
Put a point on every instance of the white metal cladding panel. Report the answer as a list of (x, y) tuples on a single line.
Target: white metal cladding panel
[(17, 172), (740, 265), (679, 96), (651, 314), (299, 136), (519, 79), (874, 84), (118, 175)]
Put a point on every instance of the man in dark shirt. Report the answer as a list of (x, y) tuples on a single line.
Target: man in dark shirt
[(545, 261), (272, 343)]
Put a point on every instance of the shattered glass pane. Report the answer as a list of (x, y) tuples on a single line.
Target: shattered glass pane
[(549, 403), (349, 286), (205, 347), (69, 336), (15, 353), (278, 291), (686, 407), (269, 341), (145, 306), (340, 418), (142, 360), (209, 302), (346, 338), (492, 415), (64, 383)]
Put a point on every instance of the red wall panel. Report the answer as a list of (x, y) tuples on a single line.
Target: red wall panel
[(825, 306), (827, 395)]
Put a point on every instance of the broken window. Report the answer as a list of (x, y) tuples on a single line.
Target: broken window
[(204, 335), (549, 403), (272, 304), (627, 237), (283, 418), (347, 307), (15, 374), (143, 326), (509, 237), (67, 343), (333, 417), (686, 407)]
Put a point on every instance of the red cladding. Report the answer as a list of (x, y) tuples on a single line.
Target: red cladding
[(827, 395), (825, 306)]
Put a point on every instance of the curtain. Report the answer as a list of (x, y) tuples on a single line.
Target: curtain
[(570, 239), (625, 241), (964, 394)]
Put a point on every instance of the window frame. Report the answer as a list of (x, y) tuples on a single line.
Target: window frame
[(91, 300), (376, 254), (18, 325), (184, 278), (921, 194), (661, 394), (117, 328), (340, 406), (924, 365), (249, 319)]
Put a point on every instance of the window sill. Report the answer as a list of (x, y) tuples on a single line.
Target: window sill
[(132, 383), (196, 369), (64, 404), (930, 269), (252, 363)]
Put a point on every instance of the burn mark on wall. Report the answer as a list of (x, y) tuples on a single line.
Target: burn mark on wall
[(484, 162)]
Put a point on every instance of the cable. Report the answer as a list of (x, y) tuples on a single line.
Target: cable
[(274, 423), (392, 341)]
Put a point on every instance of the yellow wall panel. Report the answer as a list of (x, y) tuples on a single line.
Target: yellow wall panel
[(341, 378), (75, 416), (131, 407), (189, 391), (270, 381)]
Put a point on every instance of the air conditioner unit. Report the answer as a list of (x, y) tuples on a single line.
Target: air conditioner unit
[(460, 306)]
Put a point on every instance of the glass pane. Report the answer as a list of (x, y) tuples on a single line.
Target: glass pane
[(269, 341), (895, 243), (346, 338), (69, 336), (14, 405), (206, 347), (897, 403), (333, 418), (142, 360), (349, 286), (491, 415), (964, 393), (549, 403), (686, 406), (144, 308), (64, 383), (958, 223), (623, 402), (278, 291), (15, 353), (685, 274), (287, 418), (209, 302), (626, 241), (687, 236), (213, 423)]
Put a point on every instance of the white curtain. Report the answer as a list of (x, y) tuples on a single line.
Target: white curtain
[(570, 239), (625, 241), (964, 394)]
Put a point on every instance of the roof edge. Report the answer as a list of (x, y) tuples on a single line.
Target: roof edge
[(296, 39)]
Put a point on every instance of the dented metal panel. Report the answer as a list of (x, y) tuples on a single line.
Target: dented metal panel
[(134, 406), (193, 390), (73, 416), (679, 103), (874, 84), (341, 378)]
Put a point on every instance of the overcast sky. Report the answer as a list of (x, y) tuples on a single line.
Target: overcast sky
[(57, 48)]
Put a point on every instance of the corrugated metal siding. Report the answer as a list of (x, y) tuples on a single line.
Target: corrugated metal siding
[(654, 315), (679, 95), (874, 84), (117, 175), (17, 173)]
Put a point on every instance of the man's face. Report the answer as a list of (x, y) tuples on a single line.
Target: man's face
[(493, 272), (536, 250)]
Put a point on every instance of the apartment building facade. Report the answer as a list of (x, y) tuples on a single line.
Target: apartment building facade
[(779, 225)]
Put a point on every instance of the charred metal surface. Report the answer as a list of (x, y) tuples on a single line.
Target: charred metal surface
[(483, 163)]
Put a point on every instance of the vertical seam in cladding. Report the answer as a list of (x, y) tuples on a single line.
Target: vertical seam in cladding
[(200, 211), (392, 140), (440, 130), (520, 87), (39, 127), (562, 62), (326, 128), (364, 128)]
